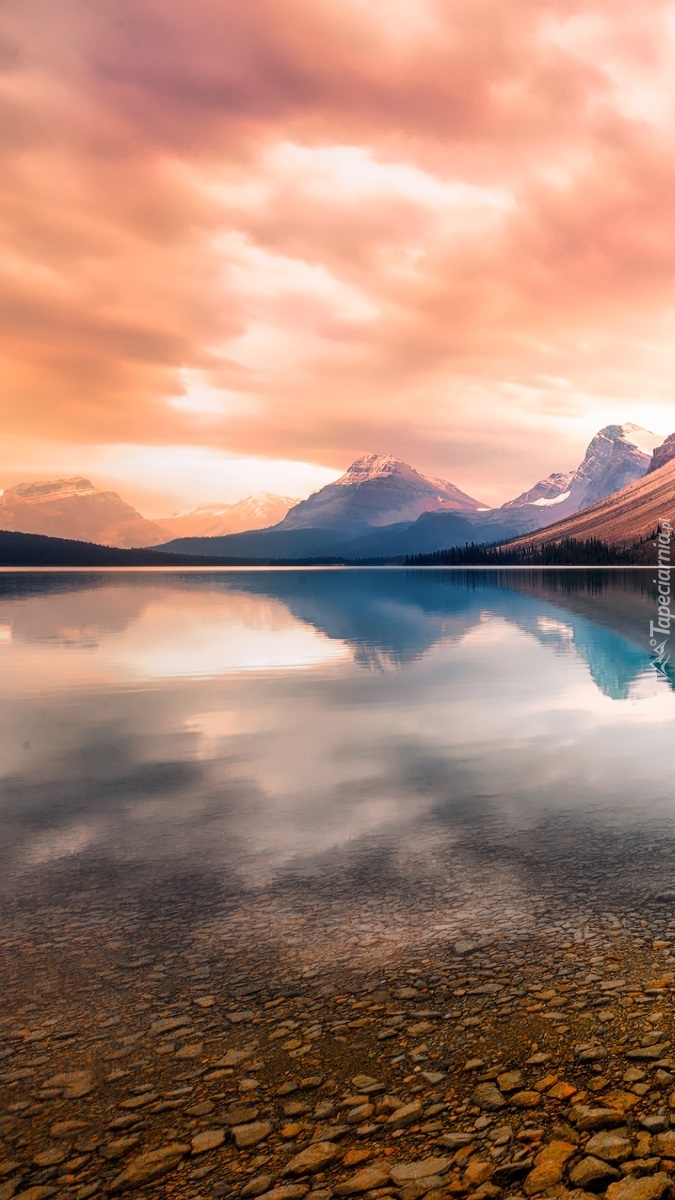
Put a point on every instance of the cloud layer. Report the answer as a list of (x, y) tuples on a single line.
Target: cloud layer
[(303, 231)]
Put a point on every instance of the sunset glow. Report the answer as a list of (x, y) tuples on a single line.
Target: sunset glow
[(243, 244)]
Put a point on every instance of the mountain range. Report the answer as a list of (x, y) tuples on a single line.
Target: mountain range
[(381, 507), (75, 509), (618, 455), (625, 517)]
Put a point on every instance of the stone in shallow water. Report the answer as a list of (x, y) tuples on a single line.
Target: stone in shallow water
[(406, 1115), (291, 1191), (591, 1172), (366, 1180), (612, 1147), (251, 1134), (651, 1187), (149, 1166), (488, 1097), (588, 1119), (548, 1167), (313, 1159), (72, 1084), (404, 1172), (208, 1139)]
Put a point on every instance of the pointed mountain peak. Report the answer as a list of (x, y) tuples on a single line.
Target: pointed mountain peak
[(635, 435), (377, 489), (616, 456), (375, 466)]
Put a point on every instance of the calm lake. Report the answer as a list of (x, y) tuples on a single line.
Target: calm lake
[(394, 748), (277, 843)]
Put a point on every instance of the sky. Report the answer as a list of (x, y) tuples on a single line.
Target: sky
[(242, 244)]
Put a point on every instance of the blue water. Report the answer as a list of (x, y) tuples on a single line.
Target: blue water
[(372, 731)]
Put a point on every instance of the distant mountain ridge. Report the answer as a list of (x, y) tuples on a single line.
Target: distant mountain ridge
[(216, 520), (75, 509)]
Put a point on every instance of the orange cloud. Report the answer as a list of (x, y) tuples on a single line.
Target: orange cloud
[(304, 231)]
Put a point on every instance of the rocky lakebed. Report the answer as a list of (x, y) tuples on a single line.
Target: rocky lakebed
[(294, 1044)]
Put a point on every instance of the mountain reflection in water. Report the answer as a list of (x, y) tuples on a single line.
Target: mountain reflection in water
[(237, 727)]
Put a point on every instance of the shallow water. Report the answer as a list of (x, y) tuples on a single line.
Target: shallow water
[(366, 741), (291, 833)]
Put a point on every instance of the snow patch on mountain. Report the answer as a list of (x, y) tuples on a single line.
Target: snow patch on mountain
[(547, 502), (645, 441)]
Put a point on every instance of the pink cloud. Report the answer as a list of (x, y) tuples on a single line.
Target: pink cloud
[(346, 230)]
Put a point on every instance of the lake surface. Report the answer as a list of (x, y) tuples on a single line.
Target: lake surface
[(380, 748), (268, 837)]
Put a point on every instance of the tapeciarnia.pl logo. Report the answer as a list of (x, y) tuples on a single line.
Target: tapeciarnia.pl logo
[(659, 630)]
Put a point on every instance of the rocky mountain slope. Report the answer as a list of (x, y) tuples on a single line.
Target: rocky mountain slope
[(378, 489), (617, 456), (621, 519), (74, 508), (663, 454)]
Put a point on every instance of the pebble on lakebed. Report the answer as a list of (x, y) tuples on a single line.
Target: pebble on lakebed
[(257, 1060)]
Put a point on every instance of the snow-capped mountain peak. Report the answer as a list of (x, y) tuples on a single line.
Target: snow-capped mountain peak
[(374, 466), (616, 456), (376, 490), (645, 441)]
